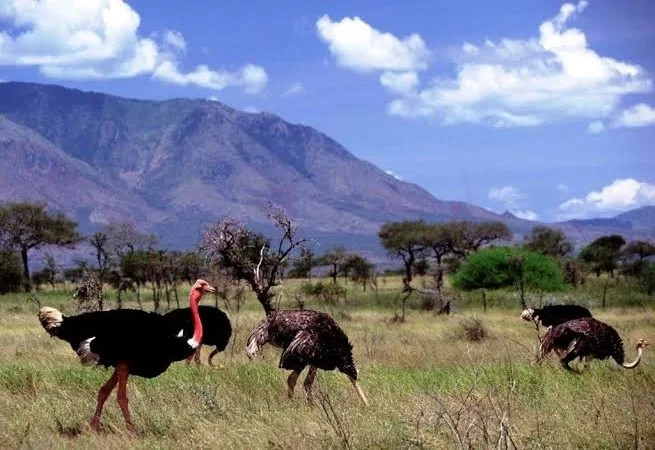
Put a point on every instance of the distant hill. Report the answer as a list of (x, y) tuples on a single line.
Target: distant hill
[(174, 166)]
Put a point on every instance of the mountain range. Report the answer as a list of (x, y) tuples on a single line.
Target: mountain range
[(174, 166)]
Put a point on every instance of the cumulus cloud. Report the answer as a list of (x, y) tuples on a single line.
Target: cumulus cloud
[(620, 195), (97, 39), (509, 195), (175, 40), (562, 187), (551, 77), (295, 89), (525, 214), (595, 127), (357, 46), (640, 115)]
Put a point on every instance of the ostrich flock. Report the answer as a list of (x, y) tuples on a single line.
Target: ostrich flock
[(136, 342)]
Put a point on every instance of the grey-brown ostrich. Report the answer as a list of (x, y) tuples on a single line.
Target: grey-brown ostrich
[(587, 338), (308, 338)]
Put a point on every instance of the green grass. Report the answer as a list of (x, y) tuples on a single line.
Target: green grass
[(428, 387)]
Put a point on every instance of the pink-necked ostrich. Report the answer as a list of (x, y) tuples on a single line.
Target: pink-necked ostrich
[(587, 338), (216, 326), (135, 342), (308, 338)]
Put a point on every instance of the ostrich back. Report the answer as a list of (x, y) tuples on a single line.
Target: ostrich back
[(551, 315), (216, 327), (308, 338), (595, 338), (140, 339)]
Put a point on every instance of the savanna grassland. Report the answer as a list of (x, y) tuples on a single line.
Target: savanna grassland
[(429, 385)]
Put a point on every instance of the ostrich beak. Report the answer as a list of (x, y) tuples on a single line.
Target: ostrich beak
[(210, 288), (359, 390)]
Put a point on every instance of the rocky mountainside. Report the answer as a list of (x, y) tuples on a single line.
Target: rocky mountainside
[(173, 166)]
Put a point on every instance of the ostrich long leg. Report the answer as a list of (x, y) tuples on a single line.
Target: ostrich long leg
[(123, 375), (291, 382), (211, 356), (196, 355), (309, 381), (103, 393)]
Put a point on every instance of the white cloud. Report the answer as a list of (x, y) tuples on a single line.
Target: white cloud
[(525, 214), (562, 187), (358, 46), (551, 77), (252, 109), (620, 195), (212, 98), (509, 195), (640, 115), (397, 177), (295, 89), (595, 127), (400, 82), (98, 39), (175, 40)]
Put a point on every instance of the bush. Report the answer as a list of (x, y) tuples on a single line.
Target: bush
[(646, 279), (325, 293), (473, 329), (11, 272)]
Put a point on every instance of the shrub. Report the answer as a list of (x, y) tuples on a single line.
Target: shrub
[(11, 272)]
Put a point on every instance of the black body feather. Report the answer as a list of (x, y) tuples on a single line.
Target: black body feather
[(551, 315), (216, 326), (142, 340)]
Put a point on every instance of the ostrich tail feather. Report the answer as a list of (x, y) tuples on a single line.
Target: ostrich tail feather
[(51, 319)]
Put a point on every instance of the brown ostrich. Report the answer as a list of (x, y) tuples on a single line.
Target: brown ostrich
[(308, 338), (587, 338)]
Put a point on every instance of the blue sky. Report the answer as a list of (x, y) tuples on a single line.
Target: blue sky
[(543, 108)]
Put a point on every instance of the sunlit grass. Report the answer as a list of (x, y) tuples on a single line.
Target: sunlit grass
[(429, 387)]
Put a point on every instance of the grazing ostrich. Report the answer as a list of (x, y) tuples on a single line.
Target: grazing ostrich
[(308, 338), (551, 315), (587, 338), (135, 342), (216, 329)]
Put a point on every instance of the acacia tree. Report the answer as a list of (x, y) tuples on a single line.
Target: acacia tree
[(634, 256), (250, 256), (548, 241), (604, 253), (28, 226), (404, 240), (302, 266), (335, 258)]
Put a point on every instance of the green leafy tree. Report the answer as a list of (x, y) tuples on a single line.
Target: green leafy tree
[(360, 269), (634, 257), (604, 253), (548, 241), (11, 272), (28, 226), (503, 267), (335, 258), (646, 278)]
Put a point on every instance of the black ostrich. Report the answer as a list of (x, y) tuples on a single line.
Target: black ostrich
[(135, 342), (216, 328), (587, 338), (551, 315), (308, 338)]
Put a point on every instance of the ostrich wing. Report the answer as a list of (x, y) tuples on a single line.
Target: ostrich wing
[(302, 351)]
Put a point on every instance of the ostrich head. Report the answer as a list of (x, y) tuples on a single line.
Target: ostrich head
[(642, 343), (528, 314), (202, 286)]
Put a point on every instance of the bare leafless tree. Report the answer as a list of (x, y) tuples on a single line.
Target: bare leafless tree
[(250, 256)]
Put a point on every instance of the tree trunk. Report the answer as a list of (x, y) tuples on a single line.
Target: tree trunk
[(138, 295), (484, 300), (605, 293), (334, 273), (26, 269)]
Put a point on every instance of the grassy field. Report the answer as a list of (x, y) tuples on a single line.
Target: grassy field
[(428, 385)]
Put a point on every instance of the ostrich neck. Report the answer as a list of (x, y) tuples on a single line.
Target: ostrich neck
[(194, 299), (637, 360)]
